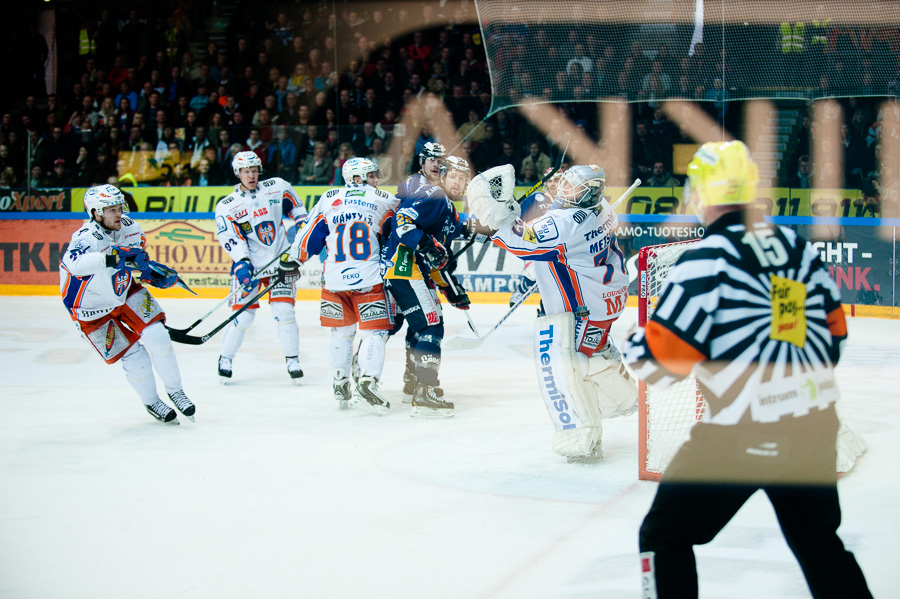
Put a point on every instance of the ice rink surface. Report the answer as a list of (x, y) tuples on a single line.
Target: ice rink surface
[(274, 493)]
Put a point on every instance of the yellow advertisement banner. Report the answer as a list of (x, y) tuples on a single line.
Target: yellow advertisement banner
[(773, 201)]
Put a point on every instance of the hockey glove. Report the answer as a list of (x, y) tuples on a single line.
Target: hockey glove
[(161, 276), (456, 294), (476, 230), (243, 272), (432, 252), (288, 270), (132, 258)]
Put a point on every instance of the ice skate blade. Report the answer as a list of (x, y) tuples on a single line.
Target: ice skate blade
[(224, 380), (428, 413), (584, 459), (364, 406), (342, 405)]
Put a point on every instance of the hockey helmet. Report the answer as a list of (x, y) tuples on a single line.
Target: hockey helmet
[(455, 163), (358, 167), (103, 196), (722, 174), (245, 160), (581, 186), (431, 149)]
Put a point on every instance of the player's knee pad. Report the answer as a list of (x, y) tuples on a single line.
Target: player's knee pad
[(574, 412), (283, 312), (156, 339), (244, 320)]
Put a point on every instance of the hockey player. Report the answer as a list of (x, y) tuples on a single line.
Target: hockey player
[(534, 206), (349, 221), (416, 265), (581, 273), (249, 226), (752, 311), (113, 311), (429, 176)]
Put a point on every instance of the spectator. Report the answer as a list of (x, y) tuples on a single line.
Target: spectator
[(345, 153), (59, 177), (643, 151), (803, 178), (472, 128), (527, 176), (126, 92), (660, 177), (317, 169), (539, 161), (385, 163), (205, 176), (282, 157), (489, 151)]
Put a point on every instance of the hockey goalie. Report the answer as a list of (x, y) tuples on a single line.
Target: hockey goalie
[(580, 272)]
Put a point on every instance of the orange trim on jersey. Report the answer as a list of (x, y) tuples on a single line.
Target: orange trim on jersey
[(519, 252), (309, 227), (672, 352), (562, 291), (573, 276), (837, 323)]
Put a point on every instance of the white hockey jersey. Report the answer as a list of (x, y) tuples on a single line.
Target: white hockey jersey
[(89, 288), (249, 223), (348, 221), (577, 260)]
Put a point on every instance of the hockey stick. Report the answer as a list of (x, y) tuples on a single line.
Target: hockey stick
[(452, 284), (464, 343), (227, 298), (182, 337), (625, 195)]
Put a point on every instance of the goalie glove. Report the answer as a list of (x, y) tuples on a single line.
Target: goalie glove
[(288, 270), (490, 196), (456, 294), (432, 252)]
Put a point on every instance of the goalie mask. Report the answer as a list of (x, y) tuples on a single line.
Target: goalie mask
[(358, 167), (581, 186), (100, 197)]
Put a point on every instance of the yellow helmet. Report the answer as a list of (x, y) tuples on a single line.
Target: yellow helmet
[(722, 173)]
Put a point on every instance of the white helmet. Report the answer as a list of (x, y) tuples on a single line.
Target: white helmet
[(431, 149), (245, 160), (455, 163), (358, 167), (101, 196), (581, 186)]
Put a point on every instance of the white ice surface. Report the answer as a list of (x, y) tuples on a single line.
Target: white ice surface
[(274, 493)]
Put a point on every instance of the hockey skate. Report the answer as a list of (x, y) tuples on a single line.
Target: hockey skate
[(162, 412), (427, 403), (342, 392), (183, 404), (367, 397), (293, 368), (409, 386), (224, 369)]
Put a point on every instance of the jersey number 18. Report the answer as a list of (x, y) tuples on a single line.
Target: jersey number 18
[(357, 239)]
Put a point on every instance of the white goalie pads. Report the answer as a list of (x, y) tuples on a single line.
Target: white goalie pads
[(616, 390), (574, 413), (491, 196)]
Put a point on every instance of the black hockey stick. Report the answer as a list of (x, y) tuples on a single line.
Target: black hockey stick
[(464, 343), (182, 337), (224, 301), (452, 284)]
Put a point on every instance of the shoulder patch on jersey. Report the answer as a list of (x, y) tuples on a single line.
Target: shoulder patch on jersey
[(246, 227), (97, 235), (528, 234), (355, 193), (579, 216), (126, 222), (268, 183), (332, 193), (226, 200), (410, 212), (545, 229)]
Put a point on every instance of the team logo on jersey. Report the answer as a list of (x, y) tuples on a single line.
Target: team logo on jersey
[(266, 232), (545, 230), (331, 310), (370, 311), (528, 234), (246, 227), (120, 281), (336, 203), (110, 336), (403, 266), (788, 300), (592, 337)]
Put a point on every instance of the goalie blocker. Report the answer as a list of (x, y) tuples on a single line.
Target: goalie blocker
[(579, 391)]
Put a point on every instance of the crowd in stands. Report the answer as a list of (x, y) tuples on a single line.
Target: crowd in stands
[(306, 89)]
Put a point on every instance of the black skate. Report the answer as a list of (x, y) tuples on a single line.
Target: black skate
[(427, 402), (224, 369), (293, 368), (162, 412), (183, 404), (367, 397)]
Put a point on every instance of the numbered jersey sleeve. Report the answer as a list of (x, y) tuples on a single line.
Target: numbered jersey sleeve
[(578, 264), (90, 288), (755, 315)]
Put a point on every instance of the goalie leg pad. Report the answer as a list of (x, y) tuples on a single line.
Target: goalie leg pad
[(574, 413), (606, 378)]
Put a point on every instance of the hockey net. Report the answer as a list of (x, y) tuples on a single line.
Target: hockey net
[(666, 416)]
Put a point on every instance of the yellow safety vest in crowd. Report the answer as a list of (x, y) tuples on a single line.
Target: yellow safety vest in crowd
[(792, 38), (86, 44)]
